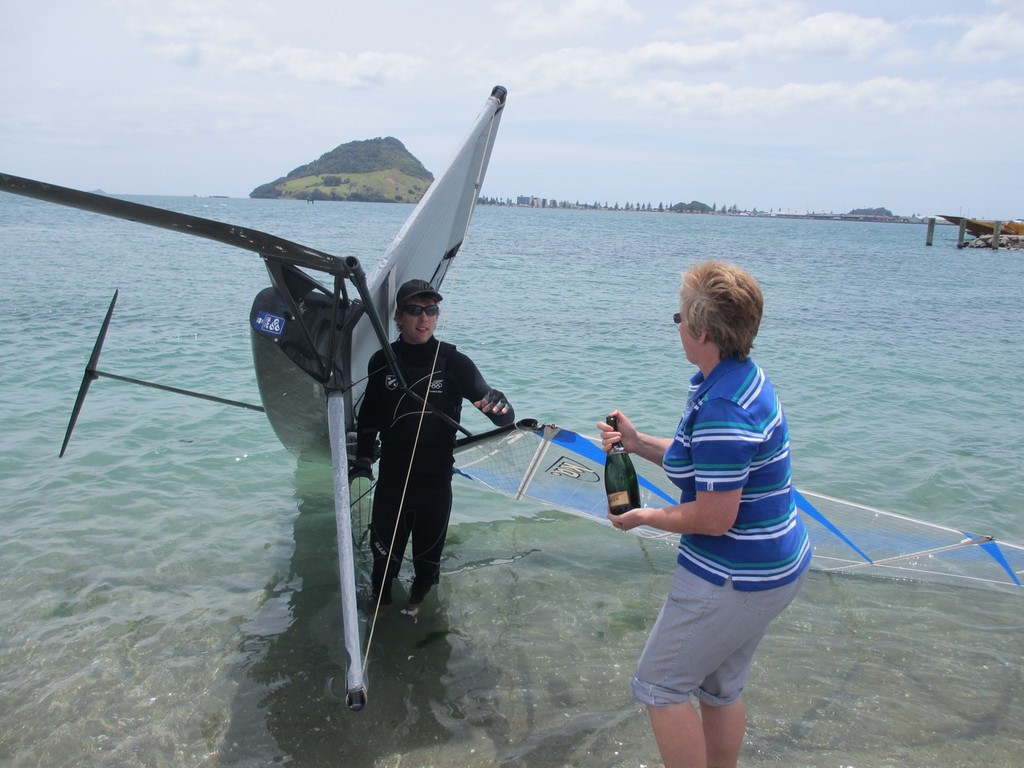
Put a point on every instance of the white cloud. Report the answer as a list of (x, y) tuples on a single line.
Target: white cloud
[(831, 35), (993, 39), (715, 17), (573, 69), (201, 38), (840, 35), (719, 99), (749, 84), (360, 70), (528, 20)]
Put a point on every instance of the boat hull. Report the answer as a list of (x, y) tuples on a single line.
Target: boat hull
[(294, 402), (980, 227)]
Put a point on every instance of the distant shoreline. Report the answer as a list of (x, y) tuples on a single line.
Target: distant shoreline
[(735, 214)]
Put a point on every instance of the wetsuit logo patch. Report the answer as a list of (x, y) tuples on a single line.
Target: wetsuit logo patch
[(391, 381)]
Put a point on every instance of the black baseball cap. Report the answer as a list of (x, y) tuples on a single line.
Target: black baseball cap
[(412, 288)]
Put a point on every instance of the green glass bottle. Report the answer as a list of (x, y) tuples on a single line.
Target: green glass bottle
[(620, 481)]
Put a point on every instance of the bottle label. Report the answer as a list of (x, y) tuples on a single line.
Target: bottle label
[(619, 499)]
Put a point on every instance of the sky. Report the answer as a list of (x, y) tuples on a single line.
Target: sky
[(912, 105)]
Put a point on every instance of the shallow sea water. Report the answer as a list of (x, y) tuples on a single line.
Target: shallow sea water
[(169, 588)]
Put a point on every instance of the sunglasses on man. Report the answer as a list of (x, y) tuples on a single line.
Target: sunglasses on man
[(416, 310)]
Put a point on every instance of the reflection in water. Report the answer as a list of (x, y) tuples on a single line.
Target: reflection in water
[(291, 699), (456, 681), (524, 654), (875, 672)]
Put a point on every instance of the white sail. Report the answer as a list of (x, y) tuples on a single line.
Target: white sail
[(432, 235)]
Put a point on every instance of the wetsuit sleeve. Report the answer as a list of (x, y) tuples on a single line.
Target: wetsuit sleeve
[(368, 421), (473, 387)]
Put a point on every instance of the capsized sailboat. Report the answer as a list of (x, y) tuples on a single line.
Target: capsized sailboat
[(303, 330)]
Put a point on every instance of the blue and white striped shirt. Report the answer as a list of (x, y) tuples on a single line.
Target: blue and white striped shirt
[(733, 434)]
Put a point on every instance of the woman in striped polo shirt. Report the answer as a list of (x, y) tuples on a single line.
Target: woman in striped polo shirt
[(743, 550)]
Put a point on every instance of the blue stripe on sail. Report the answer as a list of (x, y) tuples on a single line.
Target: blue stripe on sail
[(577, 443), (809, 508), (996, 553)]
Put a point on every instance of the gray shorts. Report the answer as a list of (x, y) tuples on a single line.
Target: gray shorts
[(704, 640)]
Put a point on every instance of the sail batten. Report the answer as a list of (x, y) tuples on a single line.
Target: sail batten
[(531, 470)]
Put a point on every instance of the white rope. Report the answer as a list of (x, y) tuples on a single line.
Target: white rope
[(408, 474)]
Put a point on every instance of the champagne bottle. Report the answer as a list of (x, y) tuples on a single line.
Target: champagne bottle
[(620, 477)]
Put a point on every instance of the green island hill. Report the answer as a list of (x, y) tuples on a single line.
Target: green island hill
[(377, 170)]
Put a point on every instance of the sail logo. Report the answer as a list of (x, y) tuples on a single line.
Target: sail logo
[(566, 467)]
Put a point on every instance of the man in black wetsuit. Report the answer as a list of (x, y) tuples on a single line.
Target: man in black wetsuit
[(415, 443)]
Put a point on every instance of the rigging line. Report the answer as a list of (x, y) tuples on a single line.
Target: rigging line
[(970, 542), (403, 385), (884, 513), (354, 382), (408, 472), (401, 506)]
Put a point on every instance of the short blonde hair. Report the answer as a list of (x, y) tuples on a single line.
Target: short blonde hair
[(724, 300)]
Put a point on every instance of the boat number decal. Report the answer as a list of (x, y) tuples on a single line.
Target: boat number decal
[(269, 323)]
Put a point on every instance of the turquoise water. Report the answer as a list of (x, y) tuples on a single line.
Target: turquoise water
[(169, 588)]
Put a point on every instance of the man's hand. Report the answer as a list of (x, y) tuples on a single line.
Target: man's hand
[(493, 402), (360, 468)]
